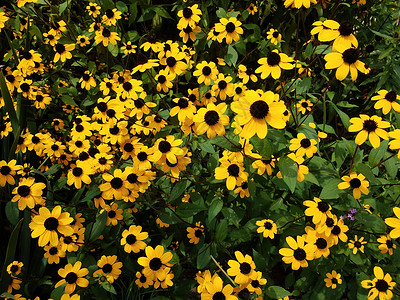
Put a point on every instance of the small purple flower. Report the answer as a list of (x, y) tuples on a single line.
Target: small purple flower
[(352, 210)]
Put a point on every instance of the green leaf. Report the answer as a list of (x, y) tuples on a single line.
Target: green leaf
[(63, 6), (330, 189), (121, 6), (178, 189), (114, 49), (186, 210), (344, 117), (10, 253), (108, 287), (91, 193), (221, 13), (9, 104), (289, 169), (277, 292), (53, 169), (214, 209), (68, 100), (12, 212), (203, 258), (263, 146), (58, 292), (222, 230), (231, 56), (232, 144), (161, 12), (94, 230), (374, 222)]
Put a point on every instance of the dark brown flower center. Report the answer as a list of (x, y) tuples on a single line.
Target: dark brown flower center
[(259, 109), (321, 243), (305, 143), (5, 170), (51, 223), (60, 48), (206, 71), (77, 171), (323, 206), (53, 251), (132, 178), (161, 79), (357, 244), (381, 285), (131, 239), (71, 278), (268, 225), (350, 56), (171, 61), (142, 156), (139, 103), (300, 254), (86, 77), (127, 86), (336, 230), (355, 183), (218, 296), (391, 96), (24, 190), (346, 28), (116, 183), (245, 268), (102, 106), (211, 117), (273, 59), (10, 78), (79, 128), (164, 146), (275, 34), (183, 103), (187, 13), (198, 233), (238, 90), (109, 13), (107, 268), (233, 170), (106, 33), (230, 27), (25, 87), (155, 264), (334, 281), (128, 147)]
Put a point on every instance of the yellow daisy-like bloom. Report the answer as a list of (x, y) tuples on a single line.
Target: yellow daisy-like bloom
[(298, 253), (274, 36), (174, 62), (304, 106), (73, 276), (317, 209), (155, 263), (211, 120), (63, 52), (7, 172), (87, 81), (194, 233), (167, 148), (105, 36), (233, 171), (223, 86), (143, 281), (52, 37), (115, 186), (299, 3), (333, 279), (164, 79), (386, 244), (356, 182), (190, 16), (395, 143), (3, 20), (129, 89), (252, 9), (243, 269), (395, 223), (338, 231), (320, 242), (371, 128), (46, 225), (357, 244), (215, 289), (387, 101), (263, 165), (206, 72), (111, 16), (246, 73), (229, 29), (15, 268), (109, 267), (132, 239), (28, 193), (184, 109), (273, 64), (93, 9), (342, 34), (114, 214), (128, 48), (345, 61), (303, 146), (188, 32), (82, 40), (53, 253), (380, 286), (255, 111), (80, 173), (267, 228)]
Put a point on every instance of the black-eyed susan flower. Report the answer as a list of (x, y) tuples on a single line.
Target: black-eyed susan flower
[(230, 29), (166, 281), (3, 19), (341, 34), (130, 89), (357, 244), (345, 61), (15, 268), (319, 241), (73, 275), (299, 3), (115, 185), (386, 244), (8, 171), (205, 72), (252, 9), (184, 109), (87, 81), (243, 268), (255, 111), (371, 128), (47, 225), (267, 227), (106, 86), (242, 190), (93, 9), (215, 289), (27, 89), (381, 286), (105, 36), (395, 223), (356, 182), (52, 37), (141, 158), (233, 171), (114, 214), (82, 40), (333, 279), (132, 239), (195, 233), (264, 165), (143, 63), (155, 262), (211, 119), (188, 32), (143, 281), (303, 146), (108, 265), (274, 36), (163, 79), (318, 209), (189, 16), (273, 64), (208, 97), (128, 48), (151, 43), (298, 254), (63, 52), (395, 143), (15, 284), (79, 173), (53, 253), (246, 74), (28, 193), (304, 106), (387, 101), (174, 62), (223, 86), (338, 231), (28, 60), (111, 17), (166, 148)]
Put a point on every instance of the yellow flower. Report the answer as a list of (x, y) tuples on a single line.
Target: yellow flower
[(190, 16), (386, 244), (273, 64), (356, 182), (252, 9), (155, 262), (267, 228), (332, 279), (229, 29), (387, 101), (106, 36), (380, 286), (194, 234), (357, 244), (73, 276), (371, 128), (395, 223), (303, 145), (274, 36), (211, 120), (299, 3), (298, 254)]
